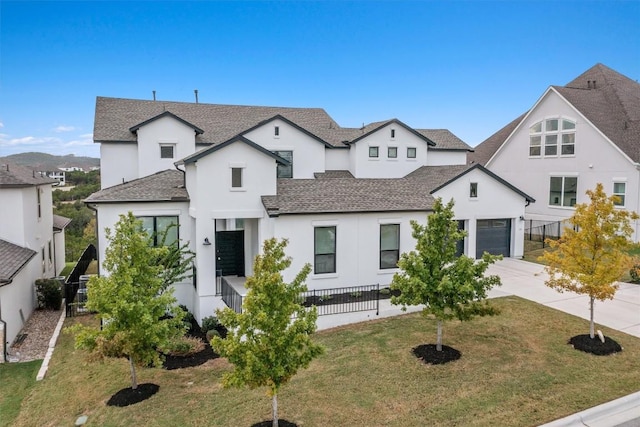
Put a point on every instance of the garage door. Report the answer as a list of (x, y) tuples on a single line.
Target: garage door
[(493, 236)]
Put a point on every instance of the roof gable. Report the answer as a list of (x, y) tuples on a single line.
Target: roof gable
[(205, 152), (292, 124), (373, 128), (135, 128)]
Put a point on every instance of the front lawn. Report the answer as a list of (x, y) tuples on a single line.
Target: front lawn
[(516, 369)]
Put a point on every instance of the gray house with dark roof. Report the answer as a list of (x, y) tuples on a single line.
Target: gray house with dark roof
[(575, 136), (233, 176), (32, 244)]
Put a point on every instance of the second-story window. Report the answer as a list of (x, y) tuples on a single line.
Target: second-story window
[(373, 152), (552, 137), (285, 171), (619, 189), (236, 177), (411, 152), (392, 152), (473, 190), (166, 151), (39, 200)]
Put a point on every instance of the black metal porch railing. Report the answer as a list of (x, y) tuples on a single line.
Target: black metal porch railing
[(344, 300), (230, 296)]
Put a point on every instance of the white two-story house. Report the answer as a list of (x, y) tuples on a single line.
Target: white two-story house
[(32, 244), (572, 138), (233, 176)]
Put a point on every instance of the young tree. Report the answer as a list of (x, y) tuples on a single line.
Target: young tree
[(130, 301), (449, 286), (591, 256), (271, 339)]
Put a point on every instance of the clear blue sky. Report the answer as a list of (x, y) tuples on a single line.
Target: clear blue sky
[(470, 67)]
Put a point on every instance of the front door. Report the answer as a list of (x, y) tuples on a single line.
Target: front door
[(230, 252)]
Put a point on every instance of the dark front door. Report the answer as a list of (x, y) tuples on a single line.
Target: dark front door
[(230, 252), (493, 236)]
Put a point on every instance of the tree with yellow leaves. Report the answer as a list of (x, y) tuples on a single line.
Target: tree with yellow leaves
[(592, 254)]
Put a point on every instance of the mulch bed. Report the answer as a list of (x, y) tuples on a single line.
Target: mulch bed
[(129, 396), (428, 354), (197, 359), (594, 345), (281, 423)]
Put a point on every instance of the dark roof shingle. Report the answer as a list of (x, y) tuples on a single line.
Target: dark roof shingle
[(164, 186), (12, 176), (60, 222), (12, 259)]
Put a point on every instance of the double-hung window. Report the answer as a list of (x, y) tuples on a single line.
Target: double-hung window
[(324, 250), (285, 171), (162, 230), (563, 191), (619, 189), (389, 245)]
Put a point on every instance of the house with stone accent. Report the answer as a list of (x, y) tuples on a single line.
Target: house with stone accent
[(232, 176), (32, 244), (573, 137)]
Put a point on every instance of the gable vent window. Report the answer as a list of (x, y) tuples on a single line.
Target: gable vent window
[(473, 190), (276, 131), (552, 137), (393, 133), (166, 151)]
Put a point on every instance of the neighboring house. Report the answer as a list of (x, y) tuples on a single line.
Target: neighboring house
[(233, 176), (59, 176), (572, 138), (31, 242), (72, 169)]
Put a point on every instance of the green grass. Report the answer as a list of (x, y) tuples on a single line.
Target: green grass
[(516, 369), (16, 381), (68, 266)]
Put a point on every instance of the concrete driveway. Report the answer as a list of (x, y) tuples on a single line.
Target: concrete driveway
[(526, 280)]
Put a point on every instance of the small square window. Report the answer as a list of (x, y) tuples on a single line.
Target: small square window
[(236, 177), (393, 133), (473, 190), (411, 152), (373, 152), (166, 151), (276, 131), (392, 152)]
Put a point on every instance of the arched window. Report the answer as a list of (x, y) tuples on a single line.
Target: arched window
[(552, 137)]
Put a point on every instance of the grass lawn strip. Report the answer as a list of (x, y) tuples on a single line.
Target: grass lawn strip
[(516, 369), (16, 381)]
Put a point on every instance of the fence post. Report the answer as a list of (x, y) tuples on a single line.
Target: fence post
[(377, 299), (544, 232)]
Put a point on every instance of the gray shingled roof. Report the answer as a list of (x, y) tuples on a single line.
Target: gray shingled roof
[(334, 195), (12, 259), (165, 186), (12, 176), (116, 117), (60, 222), (613, 106)]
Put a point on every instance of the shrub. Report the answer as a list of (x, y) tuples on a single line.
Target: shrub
[(183, 346), (385, 291), (188, 319), (212, 333), (209, 323), (634, 272), (49, 294)]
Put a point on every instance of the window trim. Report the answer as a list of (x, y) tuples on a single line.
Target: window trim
[(381, 251), (334, 253)]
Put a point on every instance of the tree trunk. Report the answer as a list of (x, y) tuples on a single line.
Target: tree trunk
[(591, 324), (274, 409), (439, 340), (134, 379)]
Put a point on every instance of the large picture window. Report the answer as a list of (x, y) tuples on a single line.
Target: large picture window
[(389, 245), (163, 230), (546, 136), (285, 171), (563, 191), (324, 251)]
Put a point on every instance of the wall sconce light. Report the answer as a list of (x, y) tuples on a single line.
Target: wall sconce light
[(206, 242), (521, 217)]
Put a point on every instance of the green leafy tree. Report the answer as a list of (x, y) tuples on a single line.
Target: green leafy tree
[(130, 301), (592, 254), (271, 339), (449, 286)]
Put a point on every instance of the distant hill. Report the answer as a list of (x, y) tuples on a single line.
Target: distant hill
[(49, 162)]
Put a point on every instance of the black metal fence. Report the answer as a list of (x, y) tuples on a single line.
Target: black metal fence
[(539, 231), (230, 296), (75, 287), (344, 300)]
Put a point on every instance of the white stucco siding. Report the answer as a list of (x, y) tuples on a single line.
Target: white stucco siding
[(357, 246), (108, 216), (166, 131), (494, 201), (308, 152), (337, 159), (13, 217), (363, 166), (18, 299), (59, 242), (444, 157), (118, 163), (595, 160)]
